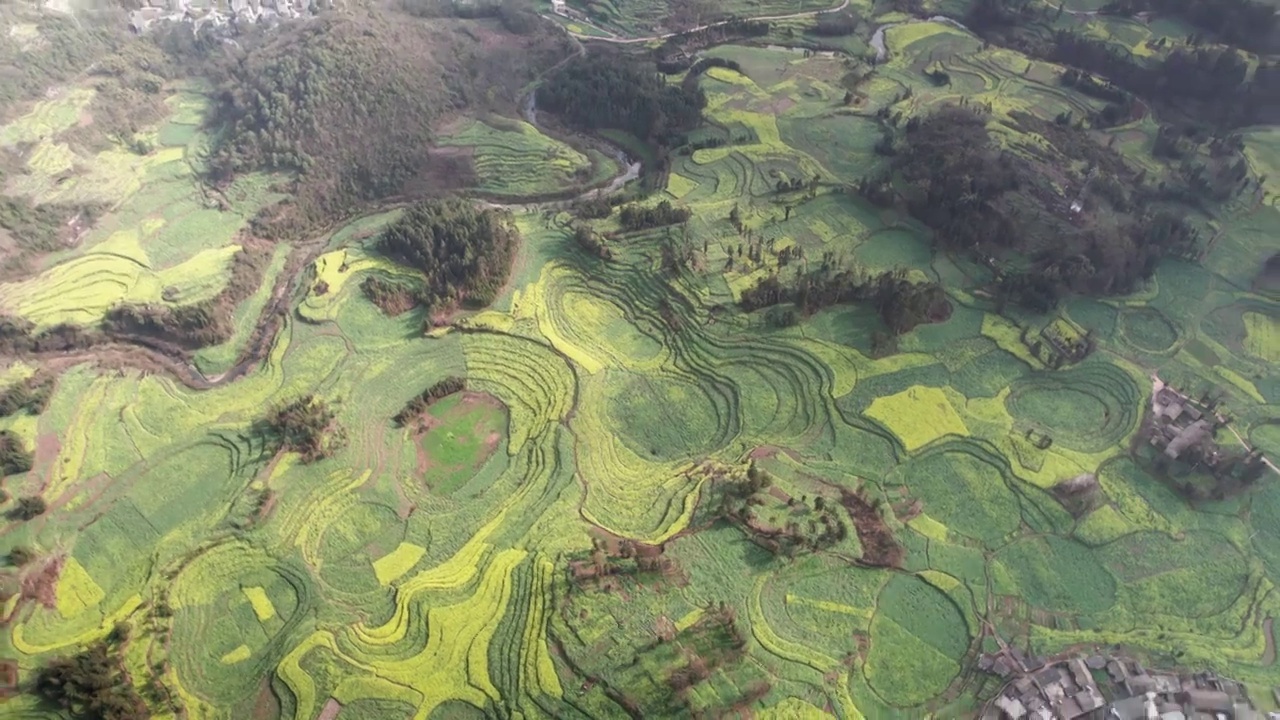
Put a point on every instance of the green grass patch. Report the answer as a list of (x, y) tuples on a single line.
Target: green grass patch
[(1057, 574)]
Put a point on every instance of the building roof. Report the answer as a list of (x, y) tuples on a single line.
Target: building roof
[(1188, 436), (1089, 701), (1011, 707), (1210, 700), (1130, 708)]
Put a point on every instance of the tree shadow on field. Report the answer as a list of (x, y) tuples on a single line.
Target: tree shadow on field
[(756, 557)]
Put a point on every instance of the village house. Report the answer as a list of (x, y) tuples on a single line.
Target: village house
[(1110, 688)]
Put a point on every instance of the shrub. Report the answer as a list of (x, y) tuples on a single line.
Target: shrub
[(419, 404), (92, 685), (14, 458), (306, 426), (27, 508)]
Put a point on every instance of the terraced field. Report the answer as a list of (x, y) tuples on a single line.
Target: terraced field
[(463, 566)]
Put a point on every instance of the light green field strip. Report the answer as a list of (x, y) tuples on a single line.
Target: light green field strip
[(395, 564), (77, 591), (928, 527), (240, 654), (47, 118), (536, 667), (1262, 338), (452, 664), (262, 606), (829, 606), (918, 416), (801, 654), (81, 290), (109, 621), (333, 270), (793, 708), (517, 159)]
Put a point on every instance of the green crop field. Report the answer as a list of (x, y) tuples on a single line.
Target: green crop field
[(514, 159), (554, 537)]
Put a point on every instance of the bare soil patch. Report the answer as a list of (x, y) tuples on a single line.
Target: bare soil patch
[(879, 548)]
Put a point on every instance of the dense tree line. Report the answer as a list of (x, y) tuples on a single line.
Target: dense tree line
[(1089, 85), (675, 54), (1268, 280), (638, 217), (38, 228), (983, 199), (328, 102), (306, 426), (612, 91), (393, 296), (1245, 23), (91, 685), (463, 252), (1207, 83), (419, 404), (517, 16), (901, 303), (27, 508), (18, 336), (704, 64), (30, 396), (591, 241), (835, 24), (66, 48), (199, 324), (954, 174)]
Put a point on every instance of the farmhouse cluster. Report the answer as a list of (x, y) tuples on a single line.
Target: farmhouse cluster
[(1099, 687), (1182, 435)]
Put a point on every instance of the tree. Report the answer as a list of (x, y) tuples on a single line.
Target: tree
[(463, 252), (91, 685), (21, 555), (28, 507), (306, 426), (14, 457)]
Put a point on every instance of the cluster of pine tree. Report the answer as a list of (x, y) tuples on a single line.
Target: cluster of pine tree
[(464, 252)]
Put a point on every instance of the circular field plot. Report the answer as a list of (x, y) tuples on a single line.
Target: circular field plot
[(917, 639), (349, 548), (665, 418), (1197, 576), (1147, 329), (463, 431), (1089, 408), (234, 607), (963, 492), (1056, 574)]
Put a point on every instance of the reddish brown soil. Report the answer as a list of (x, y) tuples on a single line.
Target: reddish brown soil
[(469, 399), (41, 583), (330, 710), (879, 548), (266, 706)]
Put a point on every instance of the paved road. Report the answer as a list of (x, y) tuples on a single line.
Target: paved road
[(559, 9)]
